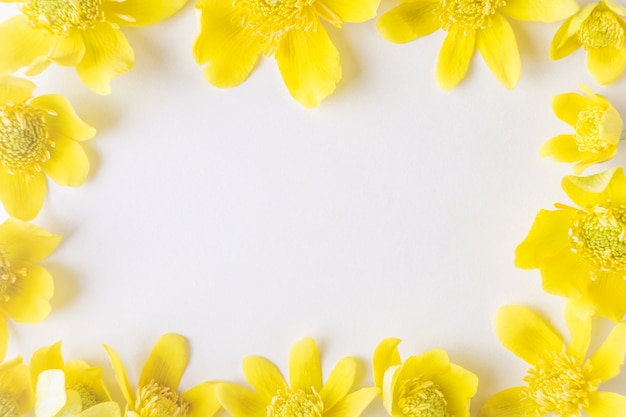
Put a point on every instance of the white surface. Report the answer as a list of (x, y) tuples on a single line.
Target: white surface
[(244, 222)]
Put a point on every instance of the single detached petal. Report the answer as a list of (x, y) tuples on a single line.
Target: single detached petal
[(26, 241), (15, 90), (22, 44), (166, 362), (606, 404), (240, 402), (50, 393), (264, 377), (352, 10), (508, 403), (606, 362), (21, 194), (141, 12), (29, 297), (120, 374), (202, 400), (409, 21), (540, 10), (354, 404), (498, 47), (309, 64), (305, 370), (598, 189), (339, 382), (454, 58), (61, 117), (568, 106), (68, 164), (107, 55), (385, 356), (606, 64)]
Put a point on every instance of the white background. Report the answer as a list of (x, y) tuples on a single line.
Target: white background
[(245, 222)]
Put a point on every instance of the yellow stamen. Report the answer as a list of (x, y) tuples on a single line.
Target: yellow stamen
[(8, 404), (469, 15), (588, 133), (61, 16), (602, 28), (296, 403), (88, 396), (8, 276), (155, 400), (420, 398)]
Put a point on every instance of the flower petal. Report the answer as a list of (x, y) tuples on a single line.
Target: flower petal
[(26, 241), (61, 117), (69, 49), (606, 404), (264, 377), (606, 295), (80, 373), (15, 375), (563, 274), (339, 382), (498, 47), (305, 370), (598, 189), (202, 400), (458, 387), (354, 404), (561, 148), (105, 409), (385, 356), (540, 10), (68, 164), (526, 334), (508, 403), (353, 10), (606, 362), (309, 64), (606, 64), (15, 90), (140, 12), (568, 106), (50, 393), (48, 357), (21, 44), (615, 7), (21, 195), (454, 58), (409, 21), (240, 402), (107, 55), (579, 326), (4, 337), (563, 43), (120, 374), (29, 297), (166, 362)]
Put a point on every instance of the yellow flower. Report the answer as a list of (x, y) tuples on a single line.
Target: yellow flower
[(469, 25), (581, 253), (598, 127), (25, 288), (561, 380), (306, 397), (600, 29), (423, 386), (157, 394), (234, 33), (68, 389), (80, 33), (38, 136), (16, 394)]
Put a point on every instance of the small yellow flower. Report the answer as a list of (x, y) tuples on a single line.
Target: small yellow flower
[(157, 394), (469, 25), (601, 30), (598, 128), (427, 385), (79, 33), (16, 394), (25, 288), (562, 379), (581, 253), (72, 389), (234, 33), (306, 396), (38, 137)]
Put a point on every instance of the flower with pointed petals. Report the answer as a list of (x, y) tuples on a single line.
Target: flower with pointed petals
[(78, 33), (581, 253), (38, 137), (562, 379), (16, 394), (598, 128), (157, 394), (600, 29), (427, 385), (469, 25), (305, 396), (234, 33), (72, 389), (25, 288)]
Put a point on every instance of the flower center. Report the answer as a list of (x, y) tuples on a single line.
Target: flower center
[(467, 14), (600, 238), (296, 403), (601, 29), (24, 138), (588, 134), (60, 16), (155, 400), (557, 384), (419, 398), (8, 404), (8, 277), (88, 396)]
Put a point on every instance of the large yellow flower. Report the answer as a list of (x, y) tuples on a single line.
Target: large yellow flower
[(72, 389), (16, 393), (581, 253), (601, 30), (38, 136), (306, 396), (157, 394), (80, 33), (423, 386), (234, 33), (598, 128), (469, 25), (25, 288), (562, 379)]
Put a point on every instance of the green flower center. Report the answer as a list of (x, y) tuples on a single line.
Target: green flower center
[(602, 28), (61, 16), (8, 404), (155, 400), (88, 396), (558, 385), (8, 277), (296, 403), (24, 138), (419, 398), (588, 133), (599, 237), (467, 14)]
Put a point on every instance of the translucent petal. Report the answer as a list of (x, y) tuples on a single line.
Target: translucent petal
[(120, 374), (47, 357), (498, 47), (166, 362), (69, 49), (608, 359), (606, 64), (50, 393), (68, 163), (409, 21), (15, 90), (598, 189), (353, 10), (21, 44), (339, 382), (61, 117), (385, 356), (353, 404), (21, 195), (305, 370), (240, 402), (454, 58), (140, 12), (26, 241), (508, 403), (30, 295), (105, 409), (579, 326), (202, 400), (264, 377), (539, 10)]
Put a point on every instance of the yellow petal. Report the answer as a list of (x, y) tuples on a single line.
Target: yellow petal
[(526, 334), (50, 393), (48, 357), (611, 126), (202, 400), (107, 55), (140, 12), (105, 409), (15, 90), (605, 404), (606, 295), (498, 47), (352, 10), (120, 374), (561, 148), (590, 158), (30, 296), (606, 64), (339, 382), (409, 21), (429, 364), (305, 370), (16, 376), (540, 10), (264, 377), (354, 404), (606, 362), (21, 44), (385, 356), (240, 402), (26, 241), (22, 195), (61, 117), (615, 7), (68, 49), (567, 106), (508, 403), (563, 274), (563, 42), (458, 386), (309, 64), (454, 58), (4, 337), (166, 362), (80, 373), (579, 326), (598, 189), (68, 164)]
